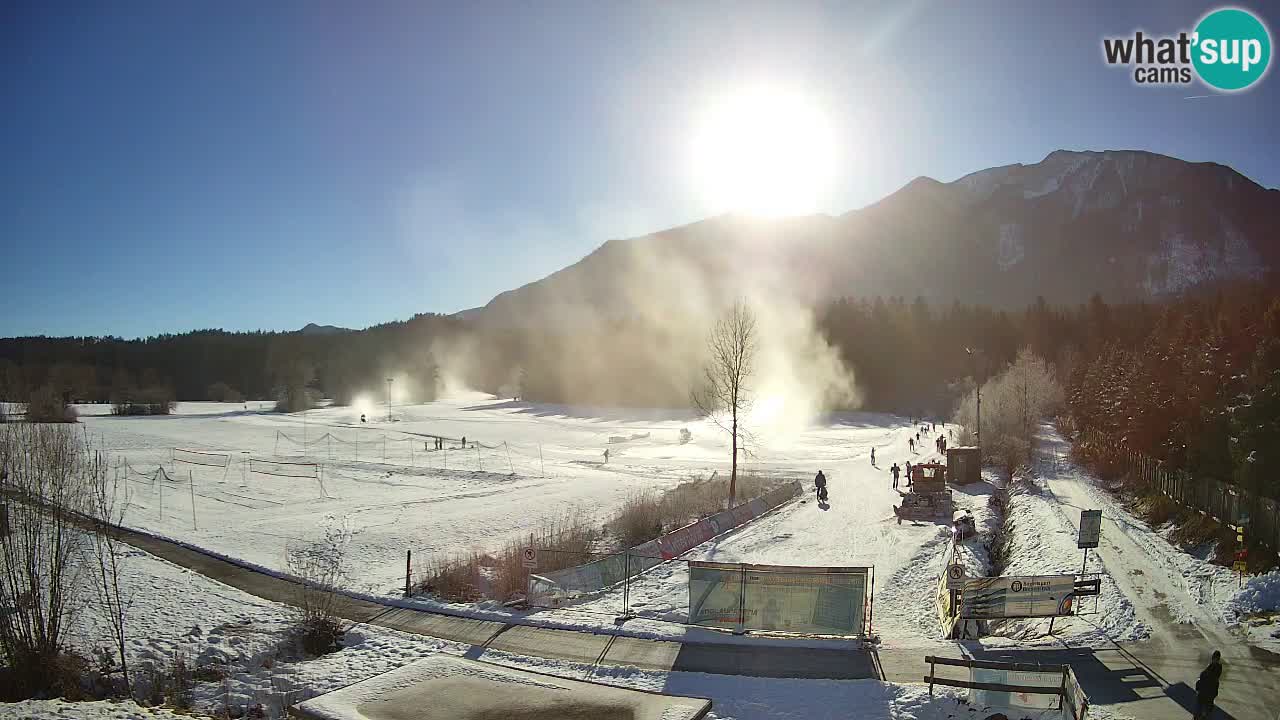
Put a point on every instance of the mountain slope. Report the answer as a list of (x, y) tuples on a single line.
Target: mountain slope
[(1127, 224)]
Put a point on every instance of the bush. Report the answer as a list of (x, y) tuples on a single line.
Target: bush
[(222, 392), (47, 405), (157, 400), (320, 567)]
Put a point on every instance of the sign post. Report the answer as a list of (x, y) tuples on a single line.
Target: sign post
[(1090, 534), (529, 558), (955, 583), (1241, 564)]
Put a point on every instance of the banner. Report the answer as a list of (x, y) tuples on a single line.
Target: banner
[(1015, 700), (1008, 597), (715, 594), (554, 589), (809, 600)]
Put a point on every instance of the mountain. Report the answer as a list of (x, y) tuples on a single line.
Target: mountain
[(314, 329), (1127, 224)]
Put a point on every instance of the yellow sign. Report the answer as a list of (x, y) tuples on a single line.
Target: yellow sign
[(1241, 566)]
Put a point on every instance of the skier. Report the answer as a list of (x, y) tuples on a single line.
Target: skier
[(464, 442), (362, 417), (820, 482), (1207, 687), (911, 443), (606, 456), (873, 456), (908, 473), (895, 470)]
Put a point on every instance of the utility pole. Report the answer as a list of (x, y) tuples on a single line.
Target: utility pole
[(389, 381), (977, 385)]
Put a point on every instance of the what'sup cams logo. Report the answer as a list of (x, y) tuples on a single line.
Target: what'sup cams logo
[(1229, 50)]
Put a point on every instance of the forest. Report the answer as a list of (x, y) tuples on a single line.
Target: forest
[(1192, 381)]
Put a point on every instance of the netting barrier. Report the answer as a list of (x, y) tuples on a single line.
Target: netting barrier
[(280, 468), (201, 457), (559, 587), (781, 598)]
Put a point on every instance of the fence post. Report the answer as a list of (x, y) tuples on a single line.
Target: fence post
[(742, 599), (191, 485), (540, 462), (408, 570), (626, 585), (510, 467), (932, 671), (479, 459)]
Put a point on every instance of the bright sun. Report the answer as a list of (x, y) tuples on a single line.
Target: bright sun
[(764, 152)]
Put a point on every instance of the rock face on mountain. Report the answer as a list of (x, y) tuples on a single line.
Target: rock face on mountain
[(1126, 224)]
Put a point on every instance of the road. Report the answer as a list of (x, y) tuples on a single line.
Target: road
[(1156, 678)]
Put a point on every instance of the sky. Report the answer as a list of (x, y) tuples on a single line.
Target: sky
[(171, 166)]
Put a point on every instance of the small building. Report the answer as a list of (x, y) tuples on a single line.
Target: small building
[(964, 465)]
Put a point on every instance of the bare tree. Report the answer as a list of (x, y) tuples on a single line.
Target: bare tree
[(45, 488), (320, 568), (107, 514), (725, 388)]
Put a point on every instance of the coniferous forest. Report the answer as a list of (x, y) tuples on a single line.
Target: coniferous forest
[(1193, 381)]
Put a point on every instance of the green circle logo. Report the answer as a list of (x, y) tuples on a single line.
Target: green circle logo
[(1232, 49)]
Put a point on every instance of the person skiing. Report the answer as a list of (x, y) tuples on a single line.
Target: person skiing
[(895, 470), (911, 443), (606, 456), (873, 456), (820, 482), (1207, 687)]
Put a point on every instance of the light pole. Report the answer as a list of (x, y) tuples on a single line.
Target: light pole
[(977, 387), (389, 381)]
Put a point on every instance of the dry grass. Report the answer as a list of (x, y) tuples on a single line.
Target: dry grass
[(646, 515), (563, 541)]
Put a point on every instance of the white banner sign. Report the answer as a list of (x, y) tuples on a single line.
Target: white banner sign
[(1006, 597)]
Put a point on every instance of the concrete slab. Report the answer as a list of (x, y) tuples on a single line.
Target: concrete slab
[(445, 687)]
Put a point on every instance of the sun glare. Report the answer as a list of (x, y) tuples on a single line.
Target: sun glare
[(764, 152)]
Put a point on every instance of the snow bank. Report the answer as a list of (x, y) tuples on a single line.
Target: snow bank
[(1261, 593)]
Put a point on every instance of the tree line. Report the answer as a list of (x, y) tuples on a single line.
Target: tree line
[(1189, 380)]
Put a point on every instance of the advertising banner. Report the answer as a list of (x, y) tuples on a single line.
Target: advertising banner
[(715, 594), (1015, 700), (1007, 597), (809, 600)]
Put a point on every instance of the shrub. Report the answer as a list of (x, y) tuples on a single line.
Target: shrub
[(156, 400), (47, 405), (320, 567)]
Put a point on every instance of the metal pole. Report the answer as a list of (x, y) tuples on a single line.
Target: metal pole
[(626, 583), (540, 462), (1085, 561), (479, 460)]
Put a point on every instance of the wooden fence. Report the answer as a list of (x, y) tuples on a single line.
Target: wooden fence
[(1223, 502)]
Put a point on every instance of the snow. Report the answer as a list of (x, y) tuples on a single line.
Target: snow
[(1045, 544), (537, 461), (1011, 248), (175, 610)]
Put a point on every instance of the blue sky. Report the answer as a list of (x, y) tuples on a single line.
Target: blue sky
[(170, 166)]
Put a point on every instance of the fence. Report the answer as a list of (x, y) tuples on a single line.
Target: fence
[(1225, 503), (1021, 686), (419, 451), (556, 588)]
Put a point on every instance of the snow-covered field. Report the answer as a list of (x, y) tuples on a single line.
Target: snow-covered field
[(395, 494)]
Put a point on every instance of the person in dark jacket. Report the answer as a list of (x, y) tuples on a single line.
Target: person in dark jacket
[(895, 470), (820, 482), (1207, 687)]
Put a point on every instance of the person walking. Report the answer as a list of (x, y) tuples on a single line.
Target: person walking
[(895, 470), (911, 443), (873, 456), (908, 473), (1207, 687), (606, 456), (820, 484)]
